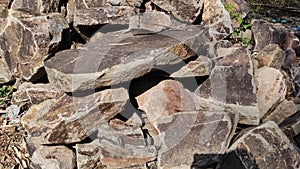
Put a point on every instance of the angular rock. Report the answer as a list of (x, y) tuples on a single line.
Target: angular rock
[(119, 56), (97, 13), (217, 19), (149, 22), (263, 147), (167, 98), (271, 88), (117, 147), (30, 94), (291, 125), (5, 73), (231, 82), (271, 55), (36, 6), (26, 42), (189, 136), (265, 33), (3, 8), (176, 126), (199, 67), (187, 11), (282, 111), (54, 157), (71, 119)]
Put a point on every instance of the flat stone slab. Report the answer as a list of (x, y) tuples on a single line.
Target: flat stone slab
[(119, 56), (71, 119), (263, 147)]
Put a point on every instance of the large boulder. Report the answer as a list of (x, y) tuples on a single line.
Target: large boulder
[(120, 56)]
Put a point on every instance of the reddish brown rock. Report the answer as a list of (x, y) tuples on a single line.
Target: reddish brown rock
[(54, 157), (36, 6), (71, 119), (262, 147)]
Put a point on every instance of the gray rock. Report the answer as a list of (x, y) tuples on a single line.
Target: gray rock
[(26, 41), (239, 6), (136, 3), (149, 22), (265, 33), (119, 56), (271, 55), (53, 157), (118, 146), (71, 119), (271, 88), (200, 67), (263, 147), (231, 82), (283, 110), (217, 19), (187, 11)]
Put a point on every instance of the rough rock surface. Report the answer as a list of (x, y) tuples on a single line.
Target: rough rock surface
[(177, 127), (217, 19), (123, 57), (282, 111), (271, 55), (271, 88), (29, 94), (187, 11), (263, 147), (26, 42), (232, 82), (265, 33), (36, 6), (71, 119), (200, 67), (54, 157), (149, 22)]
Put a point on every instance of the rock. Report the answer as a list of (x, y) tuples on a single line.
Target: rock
[(231, 81), (36, 6), (271, 55), (54, 157), (217, 19), (5, 73), (291, 125), (4, 8), (265, 33), (297, 50), (149, 22), (30, 94), (117, 147), (282, 111), (71, 119), (167, 98), (291, 41), (187, 11), (263, 147), (97, 12), (200, 67), (136, 3), (26, 42), (179, 121), (271, 88), (119, 56)]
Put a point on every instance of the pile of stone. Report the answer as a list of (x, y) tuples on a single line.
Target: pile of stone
[(158, 85)]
